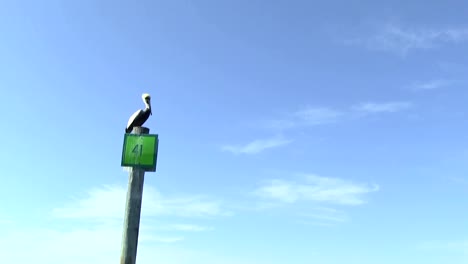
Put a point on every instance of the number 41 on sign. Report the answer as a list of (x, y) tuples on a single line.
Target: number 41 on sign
[(140, 151)]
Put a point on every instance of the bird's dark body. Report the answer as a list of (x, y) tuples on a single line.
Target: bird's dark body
[(139, 119)]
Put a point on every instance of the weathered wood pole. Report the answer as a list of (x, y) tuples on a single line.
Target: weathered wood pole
[(133, 210)]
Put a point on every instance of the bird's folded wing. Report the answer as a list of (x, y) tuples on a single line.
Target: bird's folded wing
[(133, 117)]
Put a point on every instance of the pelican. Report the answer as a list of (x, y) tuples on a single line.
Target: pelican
[(140, 116)]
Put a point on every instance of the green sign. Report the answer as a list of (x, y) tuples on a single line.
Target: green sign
[(140, 151)]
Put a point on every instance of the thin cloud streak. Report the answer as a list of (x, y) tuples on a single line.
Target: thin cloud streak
[(318, 115), (324, 215), (187, 227), (257, 146), (160, 239), (389, 107), (315, 189), (307, 116), (401, 41), (433, 84), (314, 116)]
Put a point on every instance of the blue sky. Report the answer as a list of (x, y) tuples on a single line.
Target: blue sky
[(290, 131)]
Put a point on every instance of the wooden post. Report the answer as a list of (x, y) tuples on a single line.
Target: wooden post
[(133, 210)]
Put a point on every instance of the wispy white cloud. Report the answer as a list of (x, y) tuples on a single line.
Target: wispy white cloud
[(387, 107), (100, 244), (281, 124), (257, 146), (54, 246), (186, 227), (95, 236), (108, 202), (188, 206), (400, 40), (323, 216), (101, 203), (315, 189), (433, 84), (162, 239), (318, 115), (314, 116), (307, 116), (326, 218), (99, 241)]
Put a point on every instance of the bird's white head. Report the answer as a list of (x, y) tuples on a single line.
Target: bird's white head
[(147, 100)]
